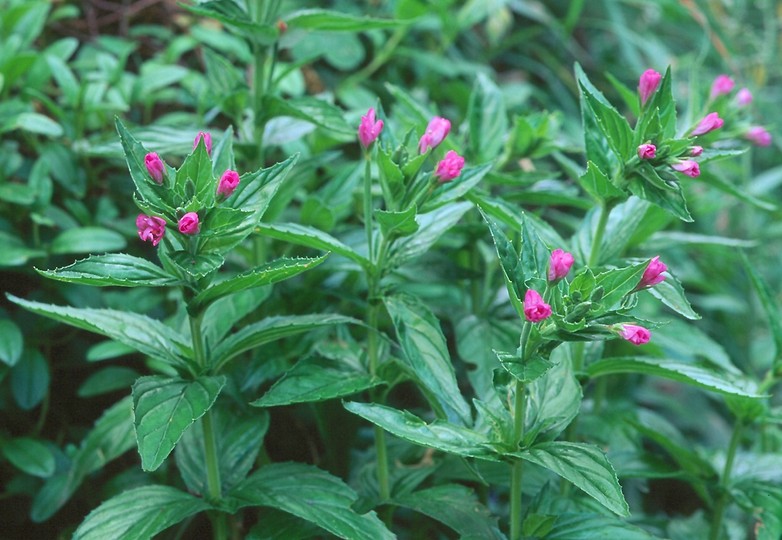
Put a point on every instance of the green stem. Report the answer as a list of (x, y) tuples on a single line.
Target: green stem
[(719, 511), (517, 471), (368, 205), (383, 483), (597, 239)]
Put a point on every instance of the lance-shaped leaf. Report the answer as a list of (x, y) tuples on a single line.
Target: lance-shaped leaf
[(29, 455), (458, 187), (311, 494), (164, 407), (325, 20), (524, 370), (266, 274), (235, 14), (534, 253), (583, 465), (113, 269), (397, 224), (431, 226), (310, 237), (196, 171), (87, 240), (139, 513), (441, 435), (488, 119), (144, 334), (313, 110), (570, 526), (597, 184), (510, 264), (271, 329), (11, 342), (426, 352), (671, 293), (619, 282), (723, 383), (770, 306)]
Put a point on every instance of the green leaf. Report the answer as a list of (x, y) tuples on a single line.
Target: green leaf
[(196, 171), (426, 352), (271, 329), (139, 513), (431, 226), (509, 262), (521, 370), (456, 506), (111, 437), (313, 110), (553, 400), (583, 465), (488, 119), (716, 181), (37, 123), (597, 184), (594, 527), (113, 269), (14, 252), (147, 336), (671, 293), (667, 194), (458, 187), (441, 435), (310, 237), (316, 380), (164, 407), (233, 14), (87, 240), (226, 312), (266, 274), (198, 265), (30, 456), (107, 380), (239, 437), (11, 342), (534, 253), (326, 20), (392, 180), (723, 383), (311, 494), (769, 304), (30, 379), (664, 106), (619, 282), (397, 224)]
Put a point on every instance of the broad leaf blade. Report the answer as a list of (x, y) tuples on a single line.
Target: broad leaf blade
[(164, 407)]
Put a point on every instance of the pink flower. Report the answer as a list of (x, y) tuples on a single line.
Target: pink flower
[(647, 151), (653, 274), (743, 97), (559, 264), (150, 228), (436, 131), (228, 182), (710, 122), (368, 129), (207, 141), (647, 84), (535, 309), (155, 167), (188, 224), (637, 335), (688, 167), (696, 151), (722, 85), (449, 167), (758, 136)]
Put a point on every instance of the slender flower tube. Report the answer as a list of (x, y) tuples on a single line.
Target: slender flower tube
[(228, 183), (696, 151), (449, 167), (207, 141), (188, 224), (743, 97), (150, 228), (647, 151), (709, 123), (535, 309), (721, 86), (687, 167), (369, 129), (758, 136), (653, 274), (637, 335), (436, 131), (155, 167), (559, 264), (647, 84)]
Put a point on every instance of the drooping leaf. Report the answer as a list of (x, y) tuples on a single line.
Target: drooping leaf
[(310, 237), (164, 407), (139, 513), (311, 494), (431, 226), (113, 269), (671, 293)]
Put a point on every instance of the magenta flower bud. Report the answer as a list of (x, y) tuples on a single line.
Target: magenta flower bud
[(709, 123), (368, 129), (758, 136), (637, 335), (743, 97), (449, 167), (688, 167), (653, 274), (228, 182), (188, 224), (150, 228), (535, 309), (155, 167), (207, 141), (559, 264), (436, 131), (722, 85), (696, 151), (647, 151), (647, 84)]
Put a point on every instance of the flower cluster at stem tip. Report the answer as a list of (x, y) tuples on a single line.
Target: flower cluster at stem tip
[(535, 309), (369, 129)]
